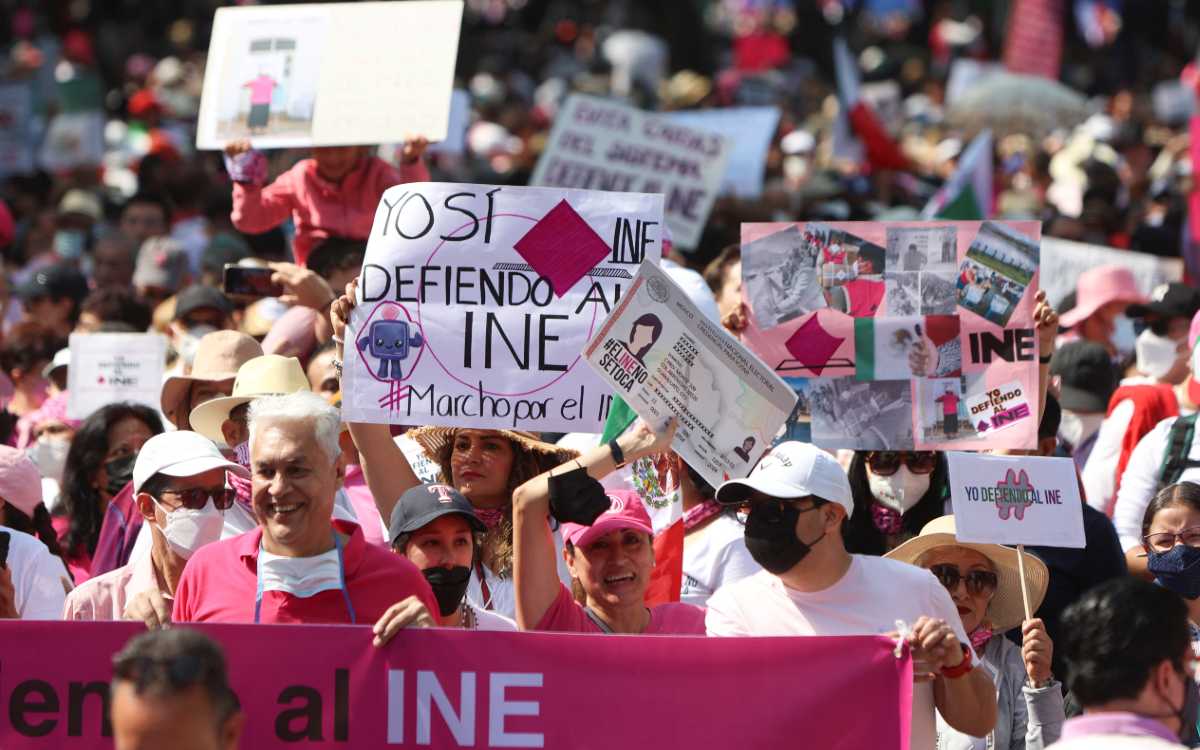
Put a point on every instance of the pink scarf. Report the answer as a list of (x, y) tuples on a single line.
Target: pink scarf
[(698, 514), (980, 637), (491, 517)]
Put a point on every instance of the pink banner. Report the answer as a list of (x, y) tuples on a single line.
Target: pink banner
[(327, 686)]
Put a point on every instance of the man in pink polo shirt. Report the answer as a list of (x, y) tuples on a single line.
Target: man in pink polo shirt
[(298, 566), (180, 489)]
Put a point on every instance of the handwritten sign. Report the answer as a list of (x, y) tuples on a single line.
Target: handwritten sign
[(110, 367), (750, 131), (899, 332), (666, 359), (457, 327), (1015, 500), (598, 144), (329, 74)]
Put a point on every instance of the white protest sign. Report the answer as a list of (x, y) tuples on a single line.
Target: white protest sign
[(110, 367), (475, 302), (329, 74), (16, 109), (750, 130), (1015, 500), (73, 139), (667, 359), (599, 144), (1063, 261)]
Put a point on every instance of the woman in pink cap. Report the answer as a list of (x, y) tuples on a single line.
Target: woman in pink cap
[(1101, 295), (609, 548)]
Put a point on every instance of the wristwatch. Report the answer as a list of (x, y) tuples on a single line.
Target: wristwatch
[(617, 454)]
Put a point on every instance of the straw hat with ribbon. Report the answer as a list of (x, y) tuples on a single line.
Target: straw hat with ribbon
[(268, 375), (1006, 610), (435, 440), (219, 355)]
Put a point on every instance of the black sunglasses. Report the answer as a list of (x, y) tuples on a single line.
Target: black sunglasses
[(197, 497), (978, 581), (887, 463)]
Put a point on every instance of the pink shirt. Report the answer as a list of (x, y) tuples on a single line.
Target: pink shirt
[(865, 297), (949, 403), (260, 89), (220, 581), (105, 596), (363, 502), (568, 616), (320, 208)]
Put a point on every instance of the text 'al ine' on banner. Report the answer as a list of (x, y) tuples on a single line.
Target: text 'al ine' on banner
[(900, 335), (476, 301)]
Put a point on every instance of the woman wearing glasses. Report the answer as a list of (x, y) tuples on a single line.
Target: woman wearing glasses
[(984, 582), (895, 494), (179, 485), (1171, 539)]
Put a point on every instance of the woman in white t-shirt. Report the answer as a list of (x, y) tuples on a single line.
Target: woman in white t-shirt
[(436, 528)]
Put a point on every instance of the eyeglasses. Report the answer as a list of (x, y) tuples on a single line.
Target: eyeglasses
[(196, 498), (887, 463), (978, 581), (1163, 541)]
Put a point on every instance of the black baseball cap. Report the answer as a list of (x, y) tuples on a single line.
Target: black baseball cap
[(56, 282), (422, 505), (1087, 376), (199, 297), (1172, 300)]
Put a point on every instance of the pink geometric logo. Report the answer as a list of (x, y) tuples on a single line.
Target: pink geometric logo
[(1014, 495)]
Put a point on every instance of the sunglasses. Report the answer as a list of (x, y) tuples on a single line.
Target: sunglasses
[(978, 581), (887, 463), (197, 497)]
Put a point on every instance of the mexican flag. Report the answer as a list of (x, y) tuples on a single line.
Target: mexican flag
[(666, 514), (967, 195), (881, 149)]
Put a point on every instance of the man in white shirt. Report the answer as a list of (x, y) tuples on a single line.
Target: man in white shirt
[(799, 498)]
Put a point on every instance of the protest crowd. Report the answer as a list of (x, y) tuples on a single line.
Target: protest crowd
[(922, 211)]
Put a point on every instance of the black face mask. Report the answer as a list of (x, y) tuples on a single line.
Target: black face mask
[(120, 473), (577, 498), (771, 536), (449, 585)]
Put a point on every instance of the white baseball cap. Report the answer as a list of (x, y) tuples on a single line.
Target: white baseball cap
[(792, 470), (181, 453)]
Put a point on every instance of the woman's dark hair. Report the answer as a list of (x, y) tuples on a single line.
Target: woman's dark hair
[(651, 320), (860, 534), (38, 526), (873, 255), (1182, 493), (1116, 634), (89, 447), (27, 346)]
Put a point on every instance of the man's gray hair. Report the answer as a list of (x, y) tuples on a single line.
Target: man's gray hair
[(301, 406)]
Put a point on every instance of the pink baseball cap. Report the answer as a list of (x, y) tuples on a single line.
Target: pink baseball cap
[(20, 481), (1096, 288), (625, 511)]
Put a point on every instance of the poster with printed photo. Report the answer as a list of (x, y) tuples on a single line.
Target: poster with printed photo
[(779, 273), (937, 293), (903, 298), (942, 411), (871, 415), (999, 266), (922, 248)]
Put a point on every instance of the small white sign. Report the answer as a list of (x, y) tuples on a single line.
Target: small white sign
[(1015, 500), (110, 367)]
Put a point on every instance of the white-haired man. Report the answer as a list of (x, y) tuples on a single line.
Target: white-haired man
[(299, 565)]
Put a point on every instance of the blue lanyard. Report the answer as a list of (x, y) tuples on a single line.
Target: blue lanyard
[(337, 544)]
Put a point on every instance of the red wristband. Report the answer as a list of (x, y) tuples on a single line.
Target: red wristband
[(960, 669)]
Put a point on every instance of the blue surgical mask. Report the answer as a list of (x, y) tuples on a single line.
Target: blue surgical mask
[(1178, 570), (69, 243)]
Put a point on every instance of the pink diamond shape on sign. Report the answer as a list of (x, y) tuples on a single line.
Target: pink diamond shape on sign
[(812, 345), (562, 247)]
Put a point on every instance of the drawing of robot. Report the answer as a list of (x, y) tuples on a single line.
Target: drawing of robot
[(390, 342)]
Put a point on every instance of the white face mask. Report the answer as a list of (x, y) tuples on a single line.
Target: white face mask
[(1124, 336), (901, 491), (300, 576), (1076, 428), (188, 530), (50, 456), (1156, 355)]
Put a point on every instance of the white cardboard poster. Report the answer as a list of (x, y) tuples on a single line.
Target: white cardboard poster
[(1064, 260), (110, 367), (329, 74), (1015, 500), (750, 130), (667, 359), (476, 301), (600, 144)]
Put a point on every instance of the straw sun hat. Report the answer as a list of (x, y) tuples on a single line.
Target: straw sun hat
[(1006, 609), (547, 455)]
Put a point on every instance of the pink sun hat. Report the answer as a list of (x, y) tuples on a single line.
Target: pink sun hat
[(625, 511), (1096, 288)]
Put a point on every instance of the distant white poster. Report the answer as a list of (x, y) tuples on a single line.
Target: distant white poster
[(73, 139), (1015, 500), (16, 108), (329, 74), (750, 130), (110, 367), (1063, 261), (600, 144)]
